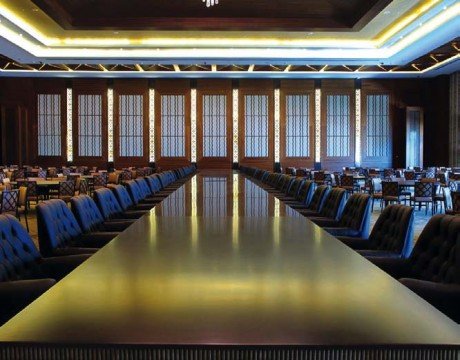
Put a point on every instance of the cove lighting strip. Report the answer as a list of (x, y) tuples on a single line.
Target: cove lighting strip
[(277, 125), (358, 127), (317, 125), (69, 126), (152, 125), (110, 123), (193, 124), (235, 125)]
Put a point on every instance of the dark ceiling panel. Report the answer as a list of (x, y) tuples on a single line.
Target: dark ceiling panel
[(286, 15)]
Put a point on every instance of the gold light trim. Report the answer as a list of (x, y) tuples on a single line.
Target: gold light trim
[(358, 127), (193, 124), (151, 125), (110, 123), (277, 125), (69, 139), (235, 125), (317, 125)]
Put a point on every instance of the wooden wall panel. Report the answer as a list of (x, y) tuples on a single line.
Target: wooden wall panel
[(337, 87), (256, 87), (297, 87), (172, 87), (130, 87), (90, 87), (214, 87)]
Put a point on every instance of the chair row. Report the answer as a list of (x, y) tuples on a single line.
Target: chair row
[(69, 237), (430, 268)]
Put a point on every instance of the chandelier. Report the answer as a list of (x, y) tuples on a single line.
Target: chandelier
[(211, 2)]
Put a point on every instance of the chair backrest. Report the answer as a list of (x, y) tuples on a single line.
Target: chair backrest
[(135, 191), (455, 201), (126, 175), (423, 189), (387, 173), (319, 176), (436, 254), (390, 188), (123, 197), (376, 185), (18, 253), (295, 186), (356, 214), (86, 212), (154, 183), (347, 180), (67, 188), (394, 230), (333, 204), (99, 180), (318, 198), (56, 224), (409, 175), (107, 203), (31, 187), (9, 201), (22, 200), (114, 178), (144, 187), (305, 192)]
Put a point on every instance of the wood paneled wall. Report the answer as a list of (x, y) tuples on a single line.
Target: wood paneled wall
[(18, 101)]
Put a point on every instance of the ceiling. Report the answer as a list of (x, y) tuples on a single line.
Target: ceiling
[(258, 38), (229, 15)]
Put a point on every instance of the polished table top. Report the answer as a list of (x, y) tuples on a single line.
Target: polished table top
[(195, 272)]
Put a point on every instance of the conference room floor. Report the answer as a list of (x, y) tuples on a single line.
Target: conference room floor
[(420, 219)]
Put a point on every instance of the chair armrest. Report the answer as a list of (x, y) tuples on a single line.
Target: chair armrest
[(341, 231), (355, 243), (96, 239), (115, 226), (16, 295), (324, 222), (445, 297), (74, 250), (58, 267), (395, 267)]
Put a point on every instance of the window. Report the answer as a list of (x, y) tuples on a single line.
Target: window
[(256, 125), (173, 125), (131, 125), (90, 125), (214, 126), (338, 125), (49, 124), (378, 126), (297, 126)]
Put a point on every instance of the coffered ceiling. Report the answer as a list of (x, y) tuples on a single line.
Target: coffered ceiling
[(257, 34)]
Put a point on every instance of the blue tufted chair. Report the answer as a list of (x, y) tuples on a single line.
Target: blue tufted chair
[(24, 274), (293, 189), (332, 207), (147, 194), (303, 197), (433, 268), (391, 236), (316, 203), (110, 207), (59, 232), (90, 218), (155, 187), (355, 219), (127, 201)]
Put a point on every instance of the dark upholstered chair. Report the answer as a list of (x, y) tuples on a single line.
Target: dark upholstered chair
[(155, 186), (90, 218), (423, 195), (24, 274), (355, 218), (391, 192), (111, 208), (316, 203), (292, 190), (59, 233), (130, 201), (391, 236), (147, 194), (332, 208), (303, 197), (433, 269)]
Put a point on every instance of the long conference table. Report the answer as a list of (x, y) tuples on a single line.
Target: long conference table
[(223, 270)]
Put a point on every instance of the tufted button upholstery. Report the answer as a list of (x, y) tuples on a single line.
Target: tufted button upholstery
[(107, 203), (130, 200), (355, 218), (86, 212), (333, 204), (433, 268), (57, 226)]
